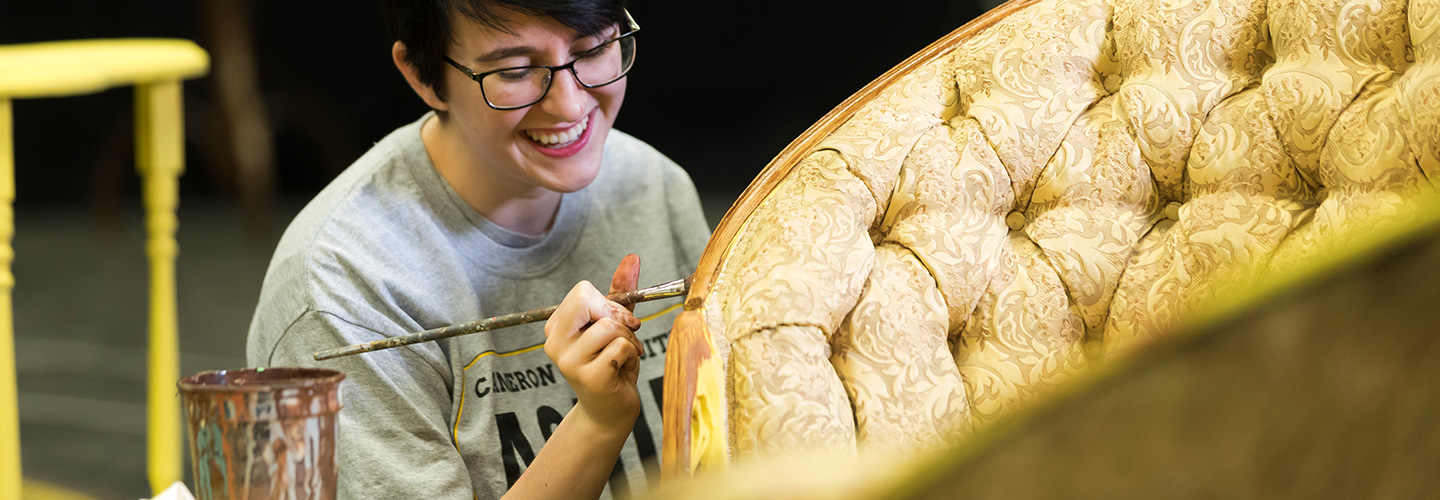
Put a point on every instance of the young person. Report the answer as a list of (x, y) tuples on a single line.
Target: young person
[(512, 193)]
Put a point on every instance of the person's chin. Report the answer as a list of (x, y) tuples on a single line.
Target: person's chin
[(570, 174), (571, 180)]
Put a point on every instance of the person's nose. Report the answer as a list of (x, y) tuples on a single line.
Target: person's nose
[(566, 98)]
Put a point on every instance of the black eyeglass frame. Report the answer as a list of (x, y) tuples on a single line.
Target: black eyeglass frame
[(550, 80)]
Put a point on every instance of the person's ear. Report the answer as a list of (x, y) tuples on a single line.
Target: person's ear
[(412, 75)]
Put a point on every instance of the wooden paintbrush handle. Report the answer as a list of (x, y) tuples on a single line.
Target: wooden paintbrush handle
[(675, 288)]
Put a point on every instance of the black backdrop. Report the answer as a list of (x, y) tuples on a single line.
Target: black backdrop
[(720, 87)]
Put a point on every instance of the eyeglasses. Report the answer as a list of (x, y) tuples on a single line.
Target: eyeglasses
[(515, 88)]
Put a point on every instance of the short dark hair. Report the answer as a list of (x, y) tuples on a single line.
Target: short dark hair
[(424, 25)]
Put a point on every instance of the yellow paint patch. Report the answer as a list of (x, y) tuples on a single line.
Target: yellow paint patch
[(40, 490)]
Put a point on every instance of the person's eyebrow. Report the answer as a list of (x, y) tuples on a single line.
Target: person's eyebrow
[(505, 53), (522, 50)]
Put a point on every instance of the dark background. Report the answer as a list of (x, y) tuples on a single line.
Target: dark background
[(720, 87)]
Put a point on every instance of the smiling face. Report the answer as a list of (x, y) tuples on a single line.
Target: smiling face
[(556, 144)]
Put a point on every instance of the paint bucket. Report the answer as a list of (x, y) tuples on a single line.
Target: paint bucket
[(262, 433)]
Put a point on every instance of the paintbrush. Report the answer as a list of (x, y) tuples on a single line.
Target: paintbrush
[(675, 288)]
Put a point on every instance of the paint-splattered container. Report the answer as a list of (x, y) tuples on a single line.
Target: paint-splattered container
[(262, 433)]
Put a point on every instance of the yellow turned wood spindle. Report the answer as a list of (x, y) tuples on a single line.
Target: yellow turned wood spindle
[(9, 404), (76, 67), (159, 156)]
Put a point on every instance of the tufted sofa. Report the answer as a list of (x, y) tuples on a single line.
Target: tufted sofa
[(1048, 189)]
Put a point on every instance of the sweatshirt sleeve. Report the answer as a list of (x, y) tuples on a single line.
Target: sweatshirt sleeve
[(394, 415), (687, 218)]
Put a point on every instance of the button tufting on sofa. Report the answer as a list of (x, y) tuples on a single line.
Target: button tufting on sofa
[(1015, 221), (889, 233), (1172, 210)]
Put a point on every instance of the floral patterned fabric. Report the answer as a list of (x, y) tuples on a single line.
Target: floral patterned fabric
[(892, 356), (1062, 188)]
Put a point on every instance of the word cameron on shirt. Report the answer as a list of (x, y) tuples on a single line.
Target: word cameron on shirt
[(516, 381)]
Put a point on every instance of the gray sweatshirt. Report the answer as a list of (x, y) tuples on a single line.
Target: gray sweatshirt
[(389, 248)]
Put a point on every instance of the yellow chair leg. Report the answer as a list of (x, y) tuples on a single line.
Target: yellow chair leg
[(159, 148), (9, 403)]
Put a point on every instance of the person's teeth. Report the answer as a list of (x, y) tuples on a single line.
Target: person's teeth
[(564, 137)]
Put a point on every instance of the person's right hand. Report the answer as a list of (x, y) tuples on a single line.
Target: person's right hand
[(592, 341)]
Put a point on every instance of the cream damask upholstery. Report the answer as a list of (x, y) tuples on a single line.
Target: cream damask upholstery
[(1053, 190)]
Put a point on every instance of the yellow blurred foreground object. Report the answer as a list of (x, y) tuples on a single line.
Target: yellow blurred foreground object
[(37, 490), (155, 67)]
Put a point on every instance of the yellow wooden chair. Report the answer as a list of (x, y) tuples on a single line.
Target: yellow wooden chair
[(155, 67)]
